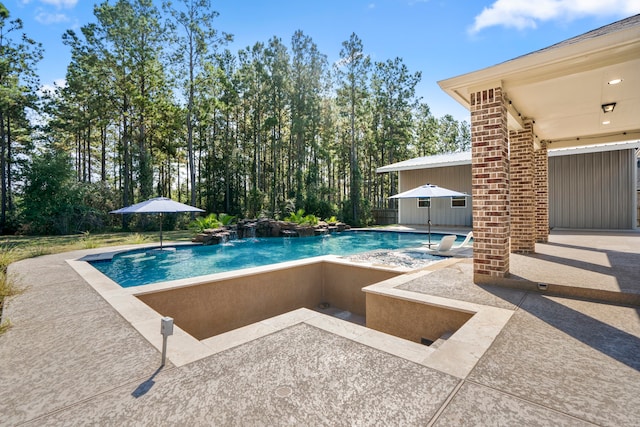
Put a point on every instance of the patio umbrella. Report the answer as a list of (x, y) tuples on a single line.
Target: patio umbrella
[(428, 191), (159, 205)]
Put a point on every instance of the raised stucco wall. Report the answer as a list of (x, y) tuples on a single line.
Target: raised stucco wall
[(412, 320), (208, 309), (342, 285)]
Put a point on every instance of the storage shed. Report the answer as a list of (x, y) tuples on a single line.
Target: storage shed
[(592, 187)]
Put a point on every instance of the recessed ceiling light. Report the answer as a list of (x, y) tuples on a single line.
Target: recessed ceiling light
[(606, 122), (608, 108), (615, 81)]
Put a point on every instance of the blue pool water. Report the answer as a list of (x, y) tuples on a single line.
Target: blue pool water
[(139, 267)]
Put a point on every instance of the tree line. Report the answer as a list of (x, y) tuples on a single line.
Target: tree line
[(155, 104)]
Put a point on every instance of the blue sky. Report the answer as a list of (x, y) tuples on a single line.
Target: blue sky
[(440, 38)]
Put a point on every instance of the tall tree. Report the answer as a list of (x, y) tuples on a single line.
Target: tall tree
[(425, 140), (449, 132), (112, 38), (127, 41), (197, 40), (353, 91), (150, 89), (464, 136), (254, 83), (80, 110), (394, 89), (279, 89), (18, 84), (307, 71), (224, 162)]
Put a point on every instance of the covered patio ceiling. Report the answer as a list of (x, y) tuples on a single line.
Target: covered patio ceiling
[(563, 87)]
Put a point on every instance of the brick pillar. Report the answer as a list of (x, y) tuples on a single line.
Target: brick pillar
[(521, 191), (542, 193), (490, 185)]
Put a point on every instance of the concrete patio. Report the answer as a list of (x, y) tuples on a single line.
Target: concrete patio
[(71, 359)]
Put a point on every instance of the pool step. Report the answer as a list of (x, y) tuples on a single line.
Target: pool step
[(443, 338), (341, 314)]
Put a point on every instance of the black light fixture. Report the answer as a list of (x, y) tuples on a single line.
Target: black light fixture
[(608, 108)]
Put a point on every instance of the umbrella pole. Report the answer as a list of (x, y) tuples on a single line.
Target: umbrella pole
[(429, 221), (160, 230)]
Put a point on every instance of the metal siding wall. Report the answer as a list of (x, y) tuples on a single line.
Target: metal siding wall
[(454, 178), (591, 190)]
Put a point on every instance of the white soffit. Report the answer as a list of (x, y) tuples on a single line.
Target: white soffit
[(563, 87)]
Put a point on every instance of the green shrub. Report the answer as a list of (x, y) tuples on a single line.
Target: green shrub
[(54, 203), (200, 224), (300, 218), (295, 217), (310, 220), (331, 220), (226, 219)]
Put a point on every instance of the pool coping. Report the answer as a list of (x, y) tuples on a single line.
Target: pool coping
[(456, 356)]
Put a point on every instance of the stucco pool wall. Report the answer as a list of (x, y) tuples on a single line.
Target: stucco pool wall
[(412, 320), (211, 308), (341, 282)]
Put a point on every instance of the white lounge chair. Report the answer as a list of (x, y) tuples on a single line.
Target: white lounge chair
[(465, 242), (444, 245)]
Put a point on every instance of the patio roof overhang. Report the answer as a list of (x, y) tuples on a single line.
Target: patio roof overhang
[(562, 88)]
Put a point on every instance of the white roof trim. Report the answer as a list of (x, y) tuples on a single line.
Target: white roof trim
[(464, 158), (435, 161), (633, 145)]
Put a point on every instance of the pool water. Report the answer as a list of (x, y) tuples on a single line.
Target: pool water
[(141, 267)]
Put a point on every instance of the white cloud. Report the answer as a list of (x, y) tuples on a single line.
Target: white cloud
[(52, 87), (46, 18), (60, 4), (522, 14)]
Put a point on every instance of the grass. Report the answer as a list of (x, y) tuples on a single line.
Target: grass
[(22, 247), (15, 248), (7, 284)]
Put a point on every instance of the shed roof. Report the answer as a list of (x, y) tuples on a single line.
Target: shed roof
[(464, 157), (434, 161)]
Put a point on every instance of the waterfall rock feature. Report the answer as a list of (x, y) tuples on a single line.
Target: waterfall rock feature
[(257, 228)]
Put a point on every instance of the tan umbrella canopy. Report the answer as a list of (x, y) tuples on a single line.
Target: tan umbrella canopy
[(428, 191), (159, 205)]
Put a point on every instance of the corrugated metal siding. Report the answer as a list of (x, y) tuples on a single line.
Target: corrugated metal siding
[(592, 190), (456, 178)]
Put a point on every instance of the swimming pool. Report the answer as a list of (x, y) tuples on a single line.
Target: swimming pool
[(141, 267)]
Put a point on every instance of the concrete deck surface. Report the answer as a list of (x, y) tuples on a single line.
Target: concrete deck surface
[(70, 359)]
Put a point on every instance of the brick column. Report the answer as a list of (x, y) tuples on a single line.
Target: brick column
[(490, 185), (522, 195), (542, 193)]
